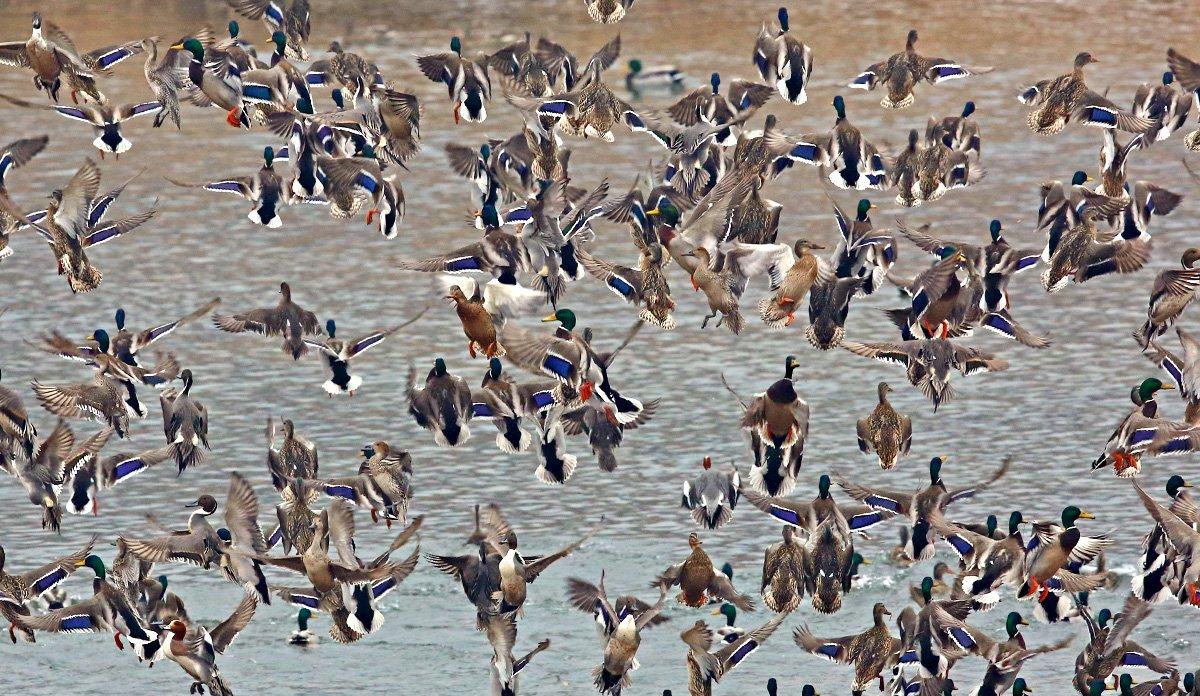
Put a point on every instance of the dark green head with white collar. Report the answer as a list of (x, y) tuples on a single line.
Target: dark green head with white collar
[(1015, 520), (635, 66), (935, 470), (1071, 514), (1149, 387), (565, 317), (947, 251), (194, 47), (783, 18), (994, 229), (729, 612), (864, 209), (494, 368), (100, 336), (280, 40), (439, 367), (302, 618), (162, 580), (1096, 687), (339, 99), (1080, 178), (1104, 617), (96, 564), (666, 212), (1175, 483), (1013, 623), (456, 45), (268, 156), (1126, 683), (728, 570), (927, 588), (234, 29), (839, 105)]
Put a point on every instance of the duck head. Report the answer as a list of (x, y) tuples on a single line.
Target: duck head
[(206, 503), (839, 105), (1083, 59), (1071, 514), (927, 589), (1020, 688), (494, 368), (100, 336), (782, 15), (935, 469), (790, 363), (1013, 623), (883, 390), (994, 230), (162, 580), (803, 246), (268, 157), (289, 429), (225, 535), (565, 318), (714, 81), (1151, 386), (729, 612), (192, 46), (1175, 483), (772, 687), (694, 541), (234, 29), (178, 629), (1015, 520), (666, 212), (809, 690), (280, 40), (439, 367), (456, 45), (727, 569), (823, 487), (1096, 687), (331, 328), (1189, 681), (1190, 257), (864, 209), (1104, 617), (856, 560), (1126, 684), (302, 618), (186, 376), (95, 563), (991, 524), (968, 109), (37, 22), (878, 612), (911, 40), (119, 318)]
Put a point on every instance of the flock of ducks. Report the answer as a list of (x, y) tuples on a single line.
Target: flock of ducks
[(703, 211)]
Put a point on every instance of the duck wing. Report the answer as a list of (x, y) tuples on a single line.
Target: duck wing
[(229, 629)]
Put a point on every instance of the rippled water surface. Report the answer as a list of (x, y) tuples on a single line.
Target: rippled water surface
[(1052, 409)]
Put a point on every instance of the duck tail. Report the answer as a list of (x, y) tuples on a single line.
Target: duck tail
[(607, 459), (555, 465), (609, 682), (771, 314), (734, 320), (513, 439)]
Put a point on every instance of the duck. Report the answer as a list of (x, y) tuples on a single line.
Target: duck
[(195, 648), (842, 155), (167, 80), (347, 69), (706, 668), (608, 11), (70, 230), (1109, 648), (17, 432), (350, 178), (105, 120), (1142, 433), (793, 272), (292, 20), (217, 78), (1001, 675), (639, 77), (383, 484), (935, 294), (522, 69), (264, 190), (338, 354), (1060, 100), (295, 457), (940, 587), (937, 168), (286, 319), (185, 424), (505, 668), (478, 324), (1157, 578), (479, 575), (13, 156), (619, 626), (563, 356), (922, 505), (809, 515), (443, 405), (295, 515), (729, 632), (399, 123), (18, 588), (1183, 538), (871, 652), (98, 355), (698, 579), (516, 571), (986, 562), (302, 636), (712, 496), (828, 307), (928, 363), (784, 577), (777, 421), (1058, 549), (106, 611), (783, 61), (862, 252), (963, 131), (52, 56), (125, 344), (468, 82), (102, 400), (886, 432), (1172, 292), (645, 285), (902, 71), (1187, 72), (829, 566), (507, 402)]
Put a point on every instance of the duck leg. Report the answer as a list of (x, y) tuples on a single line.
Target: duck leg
[(704, 324), (117, 640)]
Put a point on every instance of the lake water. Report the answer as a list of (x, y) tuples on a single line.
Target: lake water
[(1052, 410)]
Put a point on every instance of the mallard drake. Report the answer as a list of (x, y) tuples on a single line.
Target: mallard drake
[(348, 180), (928, 363), (467, 80), (926, 175), (783, 61), (558, 61), (777, 421), (809, 515), (1001, 675), (16, 589), (383, 484), (1145, 202), (97, 355), (730, 631), (105, 120), (1058, 549), (938, 636), (1158, 578), (1172, 292), (497, 254), (1183, 539), (125, 344), (195, 648), (1142, 433), (707, 668), (862, 251), (829, 566), (338, 354), (645, 285), (608, 11), (1062, 99), (292, 21), (843, 155), (506, 403), (69, 228), (479, 576), (871, 652), (1109, 648), (516, 571), (963, 131), (698, 579), (52, 56), (108, 610), (1062, 207), (217, 76), (940, 589), (442, 405), (783, 575), (12, 156), (639, 77), (828, 307), (264, 190), (185, 423), (986, 562), (935, 295), (886, 432), (920, 506), (302, 636), (903, 70), (1166, 106), (619, 625), (708, 105), (286, 319), (712, 496)]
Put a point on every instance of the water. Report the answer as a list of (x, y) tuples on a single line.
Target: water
[(1053, 409)]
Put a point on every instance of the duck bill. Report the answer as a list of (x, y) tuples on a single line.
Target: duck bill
[(1086, 516), (550, 318)]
